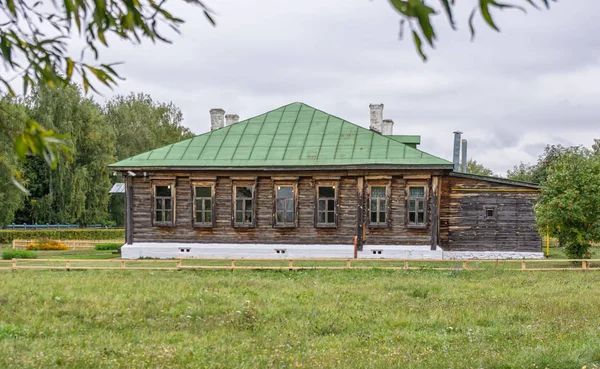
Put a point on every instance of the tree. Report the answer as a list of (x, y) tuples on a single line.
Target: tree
[(417, 14), (142, 124), (34, 51), (473, 167), (522, 172), (537, 173), (569, 206), (77, 190), (13, 115)]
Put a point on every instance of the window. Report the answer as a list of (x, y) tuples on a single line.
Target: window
[(243, 206), (285, 206), (416, 206), (326, 206), (163, 205), (489, 213), (203, 205), (378, 206)]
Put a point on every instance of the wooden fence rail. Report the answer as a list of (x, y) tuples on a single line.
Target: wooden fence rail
[(307, 263), (72, 244)]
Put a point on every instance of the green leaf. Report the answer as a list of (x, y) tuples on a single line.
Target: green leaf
[(11, 92), (70, 65), (422, 13), (532, 3), (484, 6), (101, 38), (403, 7), (448, 9), (21, 147), (210, 18), (419, 45), (506, 6), (11, 7), (471, 27)]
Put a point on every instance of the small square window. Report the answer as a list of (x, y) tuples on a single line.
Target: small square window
[(489, 212)]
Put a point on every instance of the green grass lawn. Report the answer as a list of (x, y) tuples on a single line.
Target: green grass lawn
[(306, 319)]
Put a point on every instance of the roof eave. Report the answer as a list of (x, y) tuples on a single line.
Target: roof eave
[(495, 180), (284, 168)]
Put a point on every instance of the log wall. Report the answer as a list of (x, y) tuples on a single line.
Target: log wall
[(463, 226), (264, 232)]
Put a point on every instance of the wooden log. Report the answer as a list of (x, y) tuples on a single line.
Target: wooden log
[(129, 224), (434, 212)]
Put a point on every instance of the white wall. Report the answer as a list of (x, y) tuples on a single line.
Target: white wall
[(284, 251)]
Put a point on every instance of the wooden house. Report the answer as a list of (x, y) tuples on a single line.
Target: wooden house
[(298, 182)]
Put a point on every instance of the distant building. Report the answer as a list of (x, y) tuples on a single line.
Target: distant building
[(298, 182)]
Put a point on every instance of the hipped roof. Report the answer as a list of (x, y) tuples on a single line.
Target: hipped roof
[(294, 135)]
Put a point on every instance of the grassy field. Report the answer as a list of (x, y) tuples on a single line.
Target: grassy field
[(307, 319)]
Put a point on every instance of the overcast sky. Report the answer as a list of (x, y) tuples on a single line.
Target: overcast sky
[(511, 93)]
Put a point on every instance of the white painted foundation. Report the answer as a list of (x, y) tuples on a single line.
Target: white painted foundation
[(290, 251)]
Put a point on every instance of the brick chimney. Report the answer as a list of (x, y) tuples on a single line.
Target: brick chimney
[(376, 117), (231, 119), (217, 118), (387, 127)]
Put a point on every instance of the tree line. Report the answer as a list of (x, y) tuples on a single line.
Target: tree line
[(95, 135)]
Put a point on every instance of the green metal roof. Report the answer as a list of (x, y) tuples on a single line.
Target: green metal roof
[(290, 136)]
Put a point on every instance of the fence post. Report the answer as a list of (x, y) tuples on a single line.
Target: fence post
[(179, 264), (405, 265), (122, 264), (496, 264), (290, 264), (523, 265), (68, 264), (348, 263), (464, 264), (547, 242), (14, 264), (232, 264), (583, 265)]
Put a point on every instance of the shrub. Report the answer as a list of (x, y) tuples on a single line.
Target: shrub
[(18, 254), (46, 245), (7, 235), (108, 246)]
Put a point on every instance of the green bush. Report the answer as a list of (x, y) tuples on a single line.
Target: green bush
[(18, 254), (108, 246), (6, 235)]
